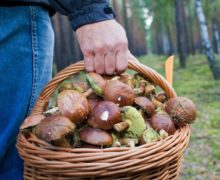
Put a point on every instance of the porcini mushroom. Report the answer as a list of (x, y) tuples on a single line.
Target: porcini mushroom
[(182, 110), (73, 105), (32, 121), (145, 104), (96, 82), (161, 120), (54, 129), (104, 115), (149, 136), (119, 93), (95, 136), (135, 121)]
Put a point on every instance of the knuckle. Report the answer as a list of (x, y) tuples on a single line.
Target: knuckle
[(99, 49), (86, 52)]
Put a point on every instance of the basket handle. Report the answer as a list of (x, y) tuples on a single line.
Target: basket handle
[(49, 89)]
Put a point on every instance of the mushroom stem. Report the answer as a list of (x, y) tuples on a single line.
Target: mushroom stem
[(149, 89), (119, 127), (129, 142), (88, 92), (158, 104), (52, 111)]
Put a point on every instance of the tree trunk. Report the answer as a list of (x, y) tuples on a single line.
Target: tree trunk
[(216, 35), (205, 40), (169, 34), (67, 50), (180, 34), (117, 11)]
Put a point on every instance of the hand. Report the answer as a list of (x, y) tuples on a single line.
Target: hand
[(104, 46)]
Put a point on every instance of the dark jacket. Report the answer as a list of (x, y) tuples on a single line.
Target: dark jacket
[(80, 12)]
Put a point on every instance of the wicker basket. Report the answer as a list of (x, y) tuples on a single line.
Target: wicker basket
[(160, 160)]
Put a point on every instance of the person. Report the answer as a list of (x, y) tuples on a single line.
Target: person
[(26, 54)]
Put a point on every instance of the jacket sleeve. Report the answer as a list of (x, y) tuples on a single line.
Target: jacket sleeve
[(81, 12)]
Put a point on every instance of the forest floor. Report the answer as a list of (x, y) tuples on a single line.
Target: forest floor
[(202, 157)]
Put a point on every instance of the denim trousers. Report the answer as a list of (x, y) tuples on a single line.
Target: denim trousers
[(26, 55)]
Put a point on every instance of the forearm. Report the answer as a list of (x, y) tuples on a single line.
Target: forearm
[(81, 12)]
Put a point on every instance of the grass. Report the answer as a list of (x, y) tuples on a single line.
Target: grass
[(202, 157)]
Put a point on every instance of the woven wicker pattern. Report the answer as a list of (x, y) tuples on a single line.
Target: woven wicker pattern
[(160, 160)]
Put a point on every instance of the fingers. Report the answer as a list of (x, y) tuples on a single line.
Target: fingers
[(89, 63), (110, 61), (121, 60), (99, 63)]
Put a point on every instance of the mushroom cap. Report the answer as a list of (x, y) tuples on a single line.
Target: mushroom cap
[(53, 128), (162, 97), (73, 105), (127, 79), (96, 82), (98, 79), (163, 121), (31, 121), (119, 93), (135, 120), (145, 104), (96, 137), (182, 110), (104, 115), (149, 136)]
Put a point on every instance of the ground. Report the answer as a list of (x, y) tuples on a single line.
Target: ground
[(202, 157)]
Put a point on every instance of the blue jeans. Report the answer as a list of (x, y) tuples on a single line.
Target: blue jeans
[(26, 54)]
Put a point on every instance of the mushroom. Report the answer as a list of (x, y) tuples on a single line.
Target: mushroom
[(96, 137), (119, 93), (54, 129), (32, 121), (161, 97), (134, 120), (145, 104), (149, 89), (52, 111), (142, 86), (182, 110), (127, 79), (77, 86), (149, 136), (161, 120), (96, 82), (73, 105), (128, 142), (104, 115)]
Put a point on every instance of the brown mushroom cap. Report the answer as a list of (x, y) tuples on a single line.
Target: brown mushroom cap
[(31, 121), (53, 128), (127, 79), (104, 115), (162, 120), (182, 110), (73, 105), (119, 93), (146, 105), (96, 137), (162, 97), (98, 79)]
